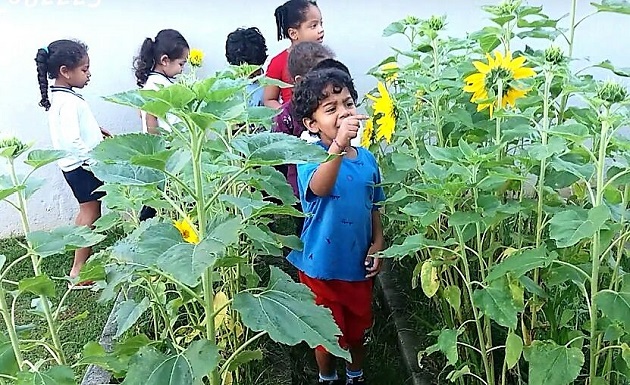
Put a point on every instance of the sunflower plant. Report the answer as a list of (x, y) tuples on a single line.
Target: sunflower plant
[(197, 298), (509, 195)]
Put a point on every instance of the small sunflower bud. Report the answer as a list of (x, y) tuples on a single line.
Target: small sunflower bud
[(412, 20), (12, 147), (612, 92), (436, 23), (554, 55), (508, 7)]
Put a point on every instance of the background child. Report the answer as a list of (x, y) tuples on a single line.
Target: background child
[(343, 230), (159, 61), (303, 57), (298, 21), (248, 46), (73, 129)]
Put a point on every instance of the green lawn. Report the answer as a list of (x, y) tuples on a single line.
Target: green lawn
[(74, 334)]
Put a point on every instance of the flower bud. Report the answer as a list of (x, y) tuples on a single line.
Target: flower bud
[(436, 23), (554, 55), (12, 147), (612, 92)]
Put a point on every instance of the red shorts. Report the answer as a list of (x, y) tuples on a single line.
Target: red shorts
[(350, 303)]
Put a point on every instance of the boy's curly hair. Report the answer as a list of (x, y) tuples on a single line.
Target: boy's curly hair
[(246, 46), (313, 88)]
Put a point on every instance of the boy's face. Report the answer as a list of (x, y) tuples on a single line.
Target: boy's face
[(330, 113)]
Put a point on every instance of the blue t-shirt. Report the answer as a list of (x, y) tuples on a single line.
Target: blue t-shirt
[(337, 232), (256, 92)]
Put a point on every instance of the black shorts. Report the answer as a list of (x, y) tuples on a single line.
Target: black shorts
[(83, 183)]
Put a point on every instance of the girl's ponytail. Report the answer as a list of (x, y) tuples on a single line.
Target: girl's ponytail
[(143, 64), (281, 16), (41, 59)]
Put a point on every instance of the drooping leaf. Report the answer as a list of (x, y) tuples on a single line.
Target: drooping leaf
[(625, 72), (273, 149), (552, 364), (62, 239), (453, 295), (244, 357), (56, 375), (39, 285), (287, 311), (429, 278), (522, 261), (128, 314), (571, 226), (496, 302), (513, 349), (614, 6), (40, 158), (615, 305)]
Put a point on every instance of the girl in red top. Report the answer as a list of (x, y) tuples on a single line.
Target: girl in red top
[(298, 21)]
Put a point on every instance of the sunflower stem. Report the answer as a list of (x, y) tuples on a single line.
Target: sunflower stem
[(541, 186), (572, 26)]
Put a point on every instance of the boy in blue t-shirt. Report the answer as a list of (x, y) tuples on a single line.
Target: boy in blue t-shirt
[(343, 227)]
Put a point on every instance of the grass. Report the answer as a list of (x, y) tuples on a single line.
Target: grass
[(83, 316)]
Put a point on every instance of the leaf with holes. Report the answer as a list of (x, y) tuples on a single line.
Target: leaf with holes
[(287, 311), (552, 364)]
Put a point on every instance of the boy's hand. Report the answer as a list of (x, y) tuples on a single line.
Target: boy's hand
[(373, 264), (349, 129)]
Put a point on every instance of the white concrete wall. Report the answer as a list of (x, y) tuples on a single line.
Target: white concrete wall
[(114, 30)]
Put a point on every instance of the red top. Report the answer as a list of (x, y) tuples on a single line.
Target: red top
[(278, 69)]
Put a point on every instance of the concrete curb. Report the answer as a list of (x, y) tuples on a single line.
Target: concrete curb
[(407, 339), (95, 375)]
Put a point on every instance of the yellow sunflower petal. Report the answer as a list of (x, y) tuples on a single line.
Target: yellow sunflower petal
[(516, 63), (524, 72), (491, 62), (368, 132), (499, 58), (481, 67)]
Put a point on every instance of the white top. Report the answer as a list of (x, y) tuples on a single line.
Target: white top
[(73, 127), (155, 81)]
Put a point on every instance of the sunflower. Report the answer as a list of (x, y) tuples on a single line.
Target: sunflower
[(187, 230), (485, 83), (367, 134), (195, 58), (385, 113)]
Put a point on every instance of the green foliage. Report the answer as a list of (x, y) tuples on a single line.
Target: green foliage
[(516, 220)]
